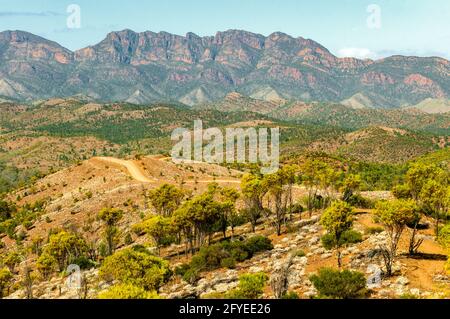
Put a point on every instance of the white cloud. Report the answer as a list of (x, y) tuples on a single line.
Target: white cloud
[(360, 53)]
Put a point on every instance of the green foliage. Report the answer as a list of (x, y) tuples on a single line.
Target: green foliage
[(396, 214), (166, 199), (127, 291), (62, 250), (12, 259), (337, 284), (25, 216), (110, 217), (347, 238), (337, 220), (134, 267), (258, 243), (224, 254), (251, 286), (159, 228), (5, 281), (253, 190), (291, 295), (374, 230), (444, 237), (401, 191)]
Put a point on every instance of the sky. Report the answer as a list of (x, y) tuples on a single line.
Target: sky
[(359, 28)]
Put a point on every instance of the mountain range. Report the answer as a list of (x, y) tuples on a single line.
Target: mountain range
[(148, 67)]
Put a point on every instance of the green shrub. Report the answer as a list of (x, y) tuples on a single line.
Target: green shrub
[(191, 276), (182, 269), (138, 268), (291, 295), (257, 244), (374, 230), (401, 191), (251, 286), (83, 262), (229, 262), (299, 253), (224, 254), (127, 291), (356, 200), (337, 284), (296, 208), (347, 238)]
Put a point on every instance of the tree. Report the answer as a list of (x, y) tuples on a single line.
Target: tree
[(227, 197), (314, 176), (435, 197), (166, 199), (5, 281), (337, 219), (444, 238), (6, 210), (127, 291), (417, 176), (136, 267), (12, 259), (110, 217), (253, 191), (62, 249), (350, 185), (197, 217), (395, 216), (159, 228), (279, 186)]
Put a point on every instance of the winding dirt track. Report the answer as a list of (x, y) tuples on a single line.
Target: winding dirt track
[(136, 172)]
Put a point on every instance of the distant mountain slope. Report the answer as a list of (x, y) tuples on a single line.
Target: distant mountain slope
[(337, 115), (433, 106), (145, 67)]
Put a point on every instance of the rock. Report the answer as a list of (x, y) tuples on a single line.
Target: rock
[(285, 240), (326, 255), (256, 269), (314, 240), (403, 281), (415, 291)]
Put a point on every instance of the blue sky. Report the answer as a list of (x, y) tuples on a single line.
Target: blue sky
[(410, 27)]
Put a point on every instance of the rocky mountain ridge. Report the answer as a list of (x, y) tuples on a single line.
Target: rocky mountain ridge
[(146, 67)]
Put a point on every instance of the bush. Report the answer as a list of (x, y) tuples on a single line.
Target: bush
[(337, 284), (401, 191), (257, 244), (295, 209), (191, 276), (182, 269), (356, 200), (251, 286), (5, 280), (291, 295), (229, 263), (127, 291), (138, 268), (347, 238), (374, 230), (224, 254)]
